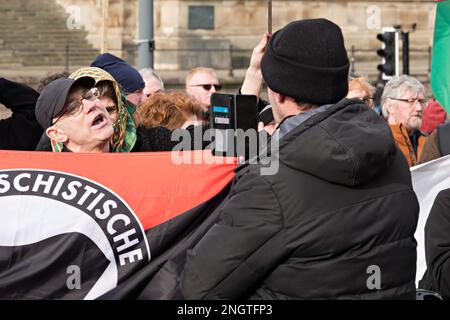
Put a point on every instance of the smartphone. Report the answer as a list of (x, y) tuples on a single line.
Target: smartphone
[(229, 113), (222, 120)]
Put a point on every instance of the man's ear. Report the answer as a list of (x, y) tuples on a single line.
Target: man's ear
[(389, 106), (56, 134)]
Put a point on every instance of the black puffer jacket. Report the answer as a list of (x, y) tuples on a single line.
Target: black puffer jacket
[(341, 202)]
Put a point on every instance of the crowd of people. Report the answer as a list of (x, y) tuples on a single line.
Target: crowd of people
[(342, 199)]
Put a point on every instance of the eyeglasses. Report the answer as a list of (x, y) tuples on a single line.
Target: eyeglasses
[(423, 102), (208, 87), (74, 107), (368, 101)]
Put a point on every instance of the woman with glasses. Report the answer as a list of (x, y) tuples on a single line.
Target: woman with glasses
[(73, 117), (117, 106), (109, 100), (129, 133)]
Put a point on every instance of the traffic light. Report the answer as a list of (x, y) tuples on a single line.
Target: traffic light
[(389, 53)]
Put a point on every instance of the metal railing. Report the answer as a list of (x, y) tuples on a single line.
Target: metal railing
[(357, 56)]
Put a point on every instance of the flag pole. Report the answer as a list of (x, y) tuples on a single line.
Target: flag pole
[(105, 7), (269, 16)]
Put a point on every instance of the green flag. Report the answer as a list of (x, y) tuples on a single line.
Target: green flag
[(440, 69)]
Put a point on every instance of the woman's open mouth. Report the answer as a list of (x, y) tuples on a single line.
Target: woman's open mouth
[(99, 121)]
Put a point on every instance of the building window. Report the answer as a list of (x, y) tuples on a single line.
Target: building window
[(201, 17)]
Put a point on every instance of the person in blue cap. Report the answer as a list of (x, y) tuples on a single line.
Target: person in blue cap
[(129, 78)]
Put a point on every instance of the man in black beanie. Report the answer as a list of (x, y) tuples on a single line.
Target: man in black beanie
[(337, 219)]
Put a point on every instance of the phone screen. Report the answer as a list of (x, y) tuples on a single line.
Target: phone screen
[(221, 111), (228, 113), (221, 119)]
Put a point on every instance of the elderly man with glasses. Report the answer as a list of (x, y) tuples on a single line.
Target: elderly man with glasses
[(403, 102), (201, 83), (71, 113)]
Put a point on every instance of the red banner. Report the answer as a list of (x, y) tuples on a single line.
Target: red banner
[(105, 216)]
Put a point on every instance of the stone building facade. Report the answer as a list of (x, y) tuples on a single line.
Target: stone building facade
[(189, 33), (201, 32)]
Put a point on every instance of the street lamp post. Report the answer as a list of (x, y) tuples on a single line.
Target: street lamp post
[(146, 41)]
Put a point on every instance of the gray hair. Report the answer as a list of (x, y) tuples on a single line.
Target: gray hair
[(148, 73), (396, 87)]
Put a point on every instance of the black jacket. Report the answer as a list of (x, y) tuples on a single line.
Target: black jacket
[(341, 202), (437, 246), (155, 139), (437, 144), (148, 140), (21, 131)]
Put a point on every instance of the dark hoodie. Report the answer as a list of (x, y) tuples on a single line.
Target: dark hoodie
[(339, 214)]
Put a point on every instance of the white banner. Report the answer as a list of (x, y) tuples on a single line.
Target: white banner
[(428, 180)]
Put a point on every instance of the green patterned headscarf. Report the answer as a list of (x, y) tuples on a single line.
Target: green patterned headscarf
[(124, 137)]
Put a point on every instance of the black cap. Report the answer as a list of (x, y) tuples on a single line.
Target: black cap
[(307, 61), (53, 98)]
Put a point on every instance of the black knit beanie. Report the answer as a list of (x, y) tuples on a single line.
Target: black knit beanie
[(307, 61)]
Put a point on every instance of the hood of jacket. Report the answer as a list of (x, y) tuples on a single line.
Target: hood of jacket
[(348, 144)]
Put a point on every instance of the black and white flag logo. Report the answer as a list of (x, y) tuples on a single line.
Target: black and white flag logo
[(52, 223)]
